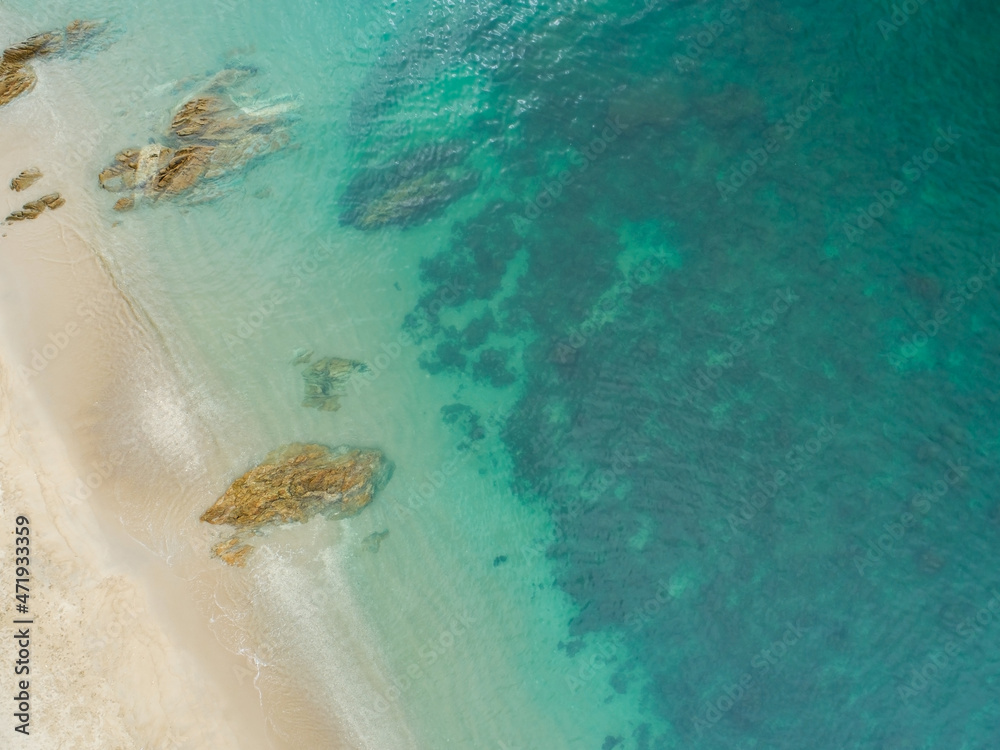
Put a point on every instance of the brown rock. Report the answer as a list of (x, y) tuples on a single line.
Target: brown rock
[(293, 484), (183, 171), (34, 209), (15, 81), (233, 552), (30, 210), (198, 117), (80, 33), (25, 180), (53, 201), (209, 138), (16, 75), (125, 204), (37, 46)]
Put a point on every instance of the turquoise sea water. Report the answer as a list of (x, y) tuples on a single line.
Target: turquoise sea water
[(690, 376)]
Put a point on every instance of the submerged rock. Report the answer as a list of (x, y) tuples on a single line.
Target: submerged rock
[(210, 137), (416, 201), (292, 485), (16, 74), (326, 382), (409, 190), (302, 356), (465, 418), (373, 541), (25, 180)]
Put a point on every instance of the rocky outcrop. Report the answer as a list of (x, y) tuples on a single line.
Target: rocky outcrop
[(292, 485), (326, 382), (410, 190), (25, 180), (34, 209), (210, 137), (16, 74)]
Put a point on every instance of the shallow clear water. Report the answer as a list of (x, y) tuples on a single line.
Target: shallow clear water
[(683, 456)]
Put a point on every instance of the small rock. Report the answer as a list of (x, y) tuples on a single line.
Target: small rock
[(233, 552), (53, 201), (25, 180)]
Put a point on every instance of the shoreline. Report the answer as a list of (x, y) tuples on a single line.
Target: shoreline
[(111, 468), (55, 368)]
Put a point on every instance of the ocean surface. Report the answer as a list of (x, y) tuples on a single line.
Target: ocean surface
[(682, 325)]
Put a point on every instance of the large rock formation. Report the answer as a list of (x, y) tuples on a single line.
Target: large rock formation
[(209, 138), (16, 74), (292, 485)]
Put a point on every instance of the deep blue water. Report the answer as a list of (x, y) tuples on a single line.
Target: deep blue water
[(735, 265), (760, 309)]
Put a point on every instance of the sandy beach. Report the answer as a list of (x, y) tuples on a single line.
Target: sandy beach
[(140, 639)]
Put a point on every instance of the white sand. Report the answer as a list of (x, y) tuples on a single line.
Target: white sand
[(140, 640)]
